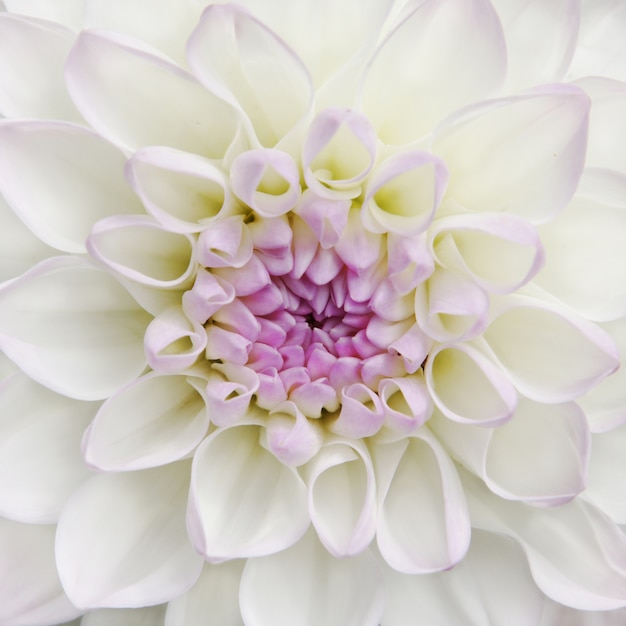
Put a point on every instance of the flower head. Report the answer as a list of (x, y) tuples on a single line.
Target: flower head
[(312, 313)]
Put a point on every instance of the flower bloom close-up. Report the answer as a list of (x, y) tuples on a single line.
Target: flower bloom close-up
[(312, 313)]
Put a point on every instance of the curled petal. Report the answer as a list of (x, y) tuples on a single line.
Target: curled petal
[(450, 307), (141, 250), (342, 497), (315, 397), (224, 345), (550, 354), (410, 261), (413, 346), (406, 403), (226, 243), (248, 279), (238, 58), (228, 391), (267, 180), (359, 249), (184, 192), (226, 521), (339, 152), (493, 149), (326, 217), (208, 294), (404, 192), (111, 78), (416, 475), (153, 421), (73, 328), (388, 304), (476, 243), (468, 387), (361, 413)]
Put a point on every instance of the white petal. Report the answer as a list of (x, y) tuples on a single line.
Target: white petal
[(443, 55), (66, 12), (72, 328), (556, 614), (306, 586), (577, 555), (468, 387), (40, 460), (32, 56), (122, 542), (413, 476), (153, 421), (491, 586), (522, 154), (540, 39), (585, 248), (19, 248), (115, 84), (243, 501), (184, 191), (30, 590), (550, 354), (146, 616), (91, 170), (241, 60), (342, 498), (212, 601)]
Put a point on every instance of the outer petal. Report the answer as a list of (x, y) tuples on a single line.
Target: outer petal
[(40, 461), (32, 55), (30, 590), (66, 12), (238, 58), (91, 170), (522, 154), (243, 502), (306, 586), (73, 328), (443, 55), (212, 601), (413, 476), (554, 614), (121, 540), (153, 421), (115, 84), (144, 616)]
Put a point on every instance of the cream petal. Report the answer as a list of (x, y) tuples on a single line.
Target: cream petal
[(115, 83), (122, 542), (141, 250), (406, 403), (468, 387), (238, 58), (478, 244), (184, 192), (40, 461), (585, 247), (32, 56), (212, 601), (523, 154), (550, 354), (30, 590), (73, 328), (555, 614), (153, 421), (243, 502), (576, 554), (91, 170), (66, 12), (342, 497), (540, 40), (412, 476), (19, 248), (491, 586), (306, 586), (443, 55), (145, 616)]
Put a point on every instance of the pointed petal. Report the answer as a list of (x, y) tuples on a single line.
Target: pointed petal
[(153, 421), (30, 590), (115, 84), (306, 586), (238, 58), (522, 154), (122, 542), (459, 40), (212, 601), (32, 56), (91, 170), (413, 476), (73, 328), (243, 502)]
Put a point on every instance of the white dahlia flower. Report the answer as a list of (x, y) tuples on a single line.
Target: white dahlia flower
[(312, 312)]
